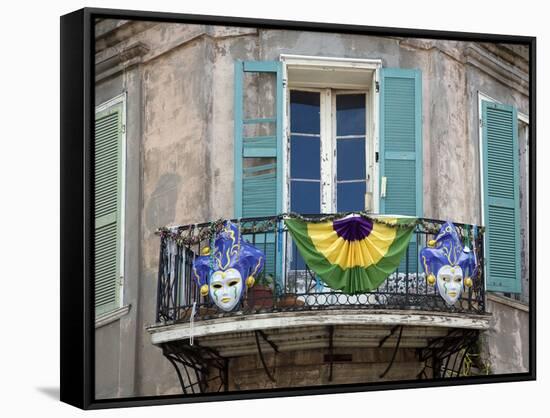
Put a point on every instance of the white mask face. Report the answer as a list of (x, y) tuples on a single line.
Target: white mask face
[(450, 283), (226, 288)]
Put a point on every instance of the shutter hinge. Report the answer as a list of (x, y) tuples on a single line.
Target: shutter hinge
[(481, 123), (121, 281), (376, 157), (123, 129), (377, 86)]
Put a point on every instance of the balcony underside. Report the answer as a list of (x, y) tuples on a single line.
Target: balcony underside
[(290, 331)]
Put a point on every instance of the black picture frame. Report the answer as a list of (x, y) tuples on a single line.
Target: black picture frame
[(77, 148)]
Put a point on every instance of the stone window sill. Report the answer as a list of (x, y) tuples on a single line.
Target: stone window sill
[(112, 316), (516, 304)]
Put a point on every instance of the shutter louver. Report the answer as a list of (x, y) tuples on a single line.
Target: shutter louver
[(501, 197), (105, 265), (401, 141), (401, 149), (259, 191), (107, 188)]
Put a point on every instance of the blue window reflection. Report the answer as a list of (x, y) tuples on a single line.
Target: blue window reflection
[(305, 157), (350, 114), (351, 196), (305, 112), (350, 159), (306, 196)]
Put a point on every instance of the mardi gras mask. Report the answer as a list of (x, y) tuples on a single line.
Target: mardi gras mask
[(448, 264), (226, 288), (229, 268), (450, 283)]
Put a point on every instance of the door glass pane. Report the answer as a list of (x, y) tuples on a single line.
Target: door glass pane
[(351, 196), (305, 157), (305, 112), (350, 114), (350, 159), (306, 196)]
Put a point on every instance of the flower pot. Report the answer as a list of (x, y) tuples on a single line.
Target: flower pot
[(260, 297)]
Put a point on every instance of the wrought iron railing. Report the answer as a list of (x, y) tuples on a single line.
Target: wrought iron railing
[(287, 284)]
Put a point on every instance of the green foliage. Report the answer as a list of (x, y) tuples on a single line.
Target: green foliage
[(265, 279)]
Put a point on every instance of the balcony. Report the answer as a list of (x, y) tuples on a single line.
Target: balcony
[(295, 287), (290, 308)]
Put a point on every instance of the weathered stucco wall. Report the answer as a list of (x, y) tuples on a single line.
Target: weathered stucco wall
[(507, 341), (179, 84)]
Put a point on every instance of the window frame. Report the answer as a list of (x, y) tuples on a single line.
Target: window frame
[(118, 100), (316, 64)]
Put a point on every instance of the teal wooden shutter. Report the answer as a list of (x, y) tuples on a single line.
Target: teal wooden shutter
[(258, 159), (401, 147), (401, 141), (108, 162), (501, 197)]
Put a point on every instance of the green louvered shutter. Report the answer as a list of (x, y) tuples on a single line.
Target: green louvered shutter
[(258, 162), (401, 147), (501, 197), (259, 188), (108, 167), (258, 157)]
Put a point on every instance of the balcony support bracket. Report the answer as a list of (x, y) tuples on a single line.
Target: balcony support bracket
[(267, 372), (193, 365), (445, 355), (392, 331), (394, 351), (331, 350), (267, 340)]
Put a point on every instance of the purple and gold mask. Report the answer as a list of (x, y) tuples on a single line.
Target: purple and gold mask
[(231, 265), (448, 262)]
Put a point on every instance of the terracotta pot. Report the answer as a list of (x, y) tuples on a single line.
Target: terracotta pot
[(260, 297)]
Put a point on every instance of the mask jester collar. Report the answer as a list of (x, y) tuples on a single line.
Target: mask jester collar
[(448, 264), (223, 272)]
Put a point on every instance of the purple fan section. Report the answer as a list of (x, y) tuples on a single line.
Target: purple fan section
[(354, 228)]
